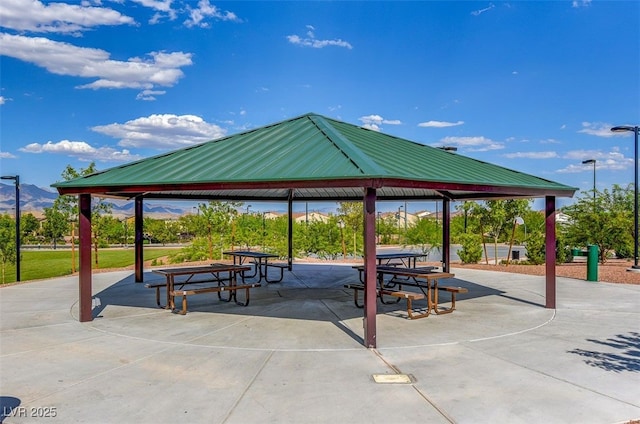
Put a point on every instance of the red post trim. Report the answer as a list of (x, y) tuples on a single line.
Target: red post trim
[(290, 231), (139, 241), (446, 235), (85, 289), (550, 251), (370, 274)]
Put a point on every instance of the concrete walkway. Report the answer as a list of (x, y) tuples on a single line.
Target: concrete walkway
[(295, 354)]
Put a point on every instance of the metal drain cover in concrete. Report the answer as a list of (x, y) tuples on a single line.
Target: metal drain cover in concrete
[(392, 378)]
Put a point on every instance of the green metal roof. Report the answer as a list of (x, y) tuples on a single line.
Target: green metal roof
[(313, 157)]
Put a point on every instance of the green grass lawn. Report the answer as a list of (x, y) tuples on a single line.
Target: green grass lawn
[(39, 264)]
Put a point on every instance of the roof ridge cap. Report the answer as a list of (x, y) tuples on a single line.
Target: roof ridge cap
[(365, 164)]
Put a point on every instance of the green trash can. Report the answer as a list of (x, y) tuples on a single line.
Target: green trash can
[(592, 262)]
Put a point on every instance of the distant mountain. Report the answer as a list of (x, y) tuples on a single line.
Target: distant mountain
[(34, 199)]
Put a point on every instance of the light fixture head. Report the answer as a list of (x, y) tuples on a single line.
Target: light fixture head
[(588, 161), (624, 128)]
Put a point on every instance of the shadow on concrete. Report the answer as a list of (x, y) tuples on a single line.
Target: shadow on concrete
[(10, 407), (626, 359), (307, 293)]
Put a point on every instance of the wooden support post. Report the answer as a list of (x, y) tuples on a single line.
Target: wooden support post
[(550, 251), (139, 241), (370, 274), (85, 289), (290, 231), (446, 235)]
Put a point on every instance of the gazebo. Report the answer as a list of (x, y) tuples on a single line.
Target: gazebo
[(311, 158)]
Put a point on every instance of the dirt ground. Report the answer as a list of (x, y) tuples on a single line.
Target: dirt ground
[(613, 271)]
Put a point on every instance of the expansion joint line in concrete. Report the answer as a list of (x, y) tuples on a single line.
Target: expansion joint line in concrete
[(247, 387), (420, 392)]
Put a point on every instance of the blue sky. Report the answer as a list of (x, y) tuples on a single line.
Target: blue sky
[(532, 86)]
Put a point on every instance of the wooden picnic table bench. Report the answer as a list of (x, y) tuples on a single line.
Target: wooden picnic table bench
[(259, 260), (232, 289), (223, 283), (424, 278)]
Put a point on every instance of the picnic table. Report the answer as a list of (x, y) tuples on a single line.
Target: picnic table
[(424, 278), (407, 259), (224, 275), (260, 262)]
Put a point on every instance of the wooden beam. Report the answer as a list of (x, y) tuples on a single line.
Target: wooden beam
[(139, 241), (370, 274), (84, 283), (290, 231), (550, 251), (446, 235)]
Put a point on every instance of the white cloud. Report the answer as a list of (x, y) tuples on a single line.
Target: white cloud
[(374, 122), (472, 144), (599, 129), (3, 100), (439, 124), (581, 3), (481, 11), (35, 16), (159, 68), (7, 155), (162, 131), (612, 161), (531, 155), (205, 10), (312, 41), (81, 150), (149, 95)]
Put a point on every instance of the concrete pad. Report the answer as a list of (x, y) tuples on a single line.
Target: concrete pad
[(295, 354)]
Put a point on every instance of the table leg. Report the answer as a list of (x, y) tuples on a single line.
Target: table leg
[(382, 288), (233, 282), (170, 298)]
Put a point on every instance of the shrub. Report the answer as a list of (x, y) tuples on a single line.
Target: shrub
[(471, 251)]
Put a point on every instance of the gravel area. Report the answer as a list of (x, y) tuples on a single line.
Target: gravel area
[(613, 271)]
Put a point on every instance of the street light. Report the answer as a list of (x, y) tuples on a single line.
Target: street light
[(398, 217), (625, 128), (587, 162), (16, 178)]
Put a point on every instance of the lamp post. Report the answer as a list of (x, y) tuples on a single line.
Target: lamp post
[(405, 221), (16, 179), (625, 128), (587, 162), (398, 217)]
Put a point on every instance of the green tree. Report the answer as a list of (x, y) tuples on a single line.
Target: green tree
[(67, 205), (55, 225), (7, 242), (605, 221), (426, 234), (216, 217), (491, 215), (29, 226), (161, 230), (351, 214), (515, 208), (471, 251), (387, 227)]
